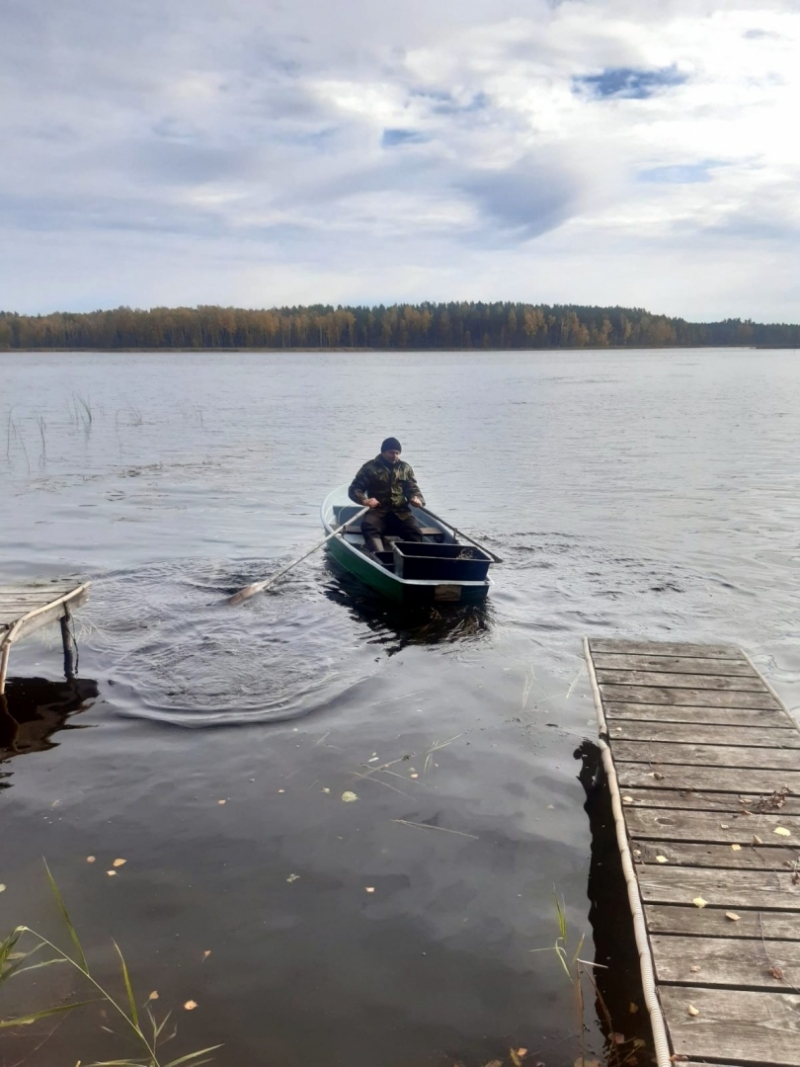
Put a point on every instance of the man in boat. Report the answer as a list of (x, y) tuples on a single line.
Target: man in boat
[(388, 487)]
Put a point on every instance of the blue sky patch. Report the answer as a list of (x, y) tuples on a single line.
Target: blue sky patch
[(679, 173), (629, 83), (450, 107), (393, 137)]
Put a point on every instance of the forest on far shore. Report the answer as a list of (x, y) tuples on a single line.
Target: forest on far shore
[(399, 326)]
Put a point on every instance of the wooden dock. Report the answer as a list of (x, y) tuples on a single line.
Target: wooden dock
[(24, 609), (703, 765)]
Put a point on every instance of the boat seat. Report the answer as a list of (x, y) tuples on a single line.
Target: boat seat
[(427, 531)]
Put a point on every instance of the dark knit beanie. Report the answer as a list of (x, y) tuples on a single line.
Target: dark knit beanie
[(391, 444)]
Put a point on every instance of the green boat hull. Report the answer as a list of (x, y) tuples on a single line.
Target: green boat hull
[(406, 593)]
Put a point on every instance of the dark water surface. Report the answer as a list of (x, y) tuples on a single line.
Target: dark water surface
[(638, 494)]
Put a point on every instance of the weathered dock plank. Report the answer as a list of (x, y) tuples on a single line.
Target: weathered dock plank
[(675, 665), (681, 681), (761, 890), (703, 854), (710, 826), (694, 800), (715, 922), (701, 734), (721, 715), (740, 1026), (664, 648), (717, 779), (704, 761), (709, 698), (760, 758), (725, 961)]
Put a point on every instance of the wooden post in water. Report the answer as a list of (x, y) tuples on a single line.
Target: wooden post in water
[(66, 640), (4, 666)]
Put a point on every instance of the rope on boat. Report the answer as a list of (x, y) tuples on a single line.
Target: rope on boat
[(657, 1022)]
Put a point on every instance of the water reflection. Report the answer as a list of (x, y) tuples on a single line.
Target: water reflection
[(620, 1006), (33, 709), (396, 626)]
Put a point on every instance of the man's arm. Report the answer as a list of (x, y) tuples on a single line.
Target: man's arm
[(358, 489), (413, 492)]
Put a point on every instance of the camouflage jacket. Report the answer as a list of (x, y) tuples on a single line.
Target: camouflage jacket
[(391, 484)]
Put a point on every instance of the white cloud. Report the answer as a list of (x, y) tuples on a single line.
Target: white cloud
[(612, 152)]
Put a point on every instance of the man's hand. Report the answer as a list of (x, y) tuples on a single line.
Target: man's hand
[(415, 500), (371, 502)]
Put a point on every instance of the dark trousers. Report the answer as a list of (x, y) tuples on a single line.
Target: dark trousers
[(378, 522)]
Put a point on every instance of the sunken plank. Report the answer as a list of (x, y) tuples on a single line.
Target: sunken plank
[(702, 854), (774, 718), (712, 827), (31, 609), (676, 665), (758, 1028), (752, 684), (55, 611), (709, 698), (665, 752), (53, 590), (664, 648), (714, 922), (725, 961), (701, 734), (714, 779), (759, 890), (693, 800)]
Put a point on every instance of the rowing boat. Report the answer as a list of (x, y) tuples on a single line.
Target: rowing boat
[(439, 569)]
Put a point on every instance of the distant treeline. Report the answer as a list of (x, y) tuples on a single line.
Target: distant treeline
[(401, 326)]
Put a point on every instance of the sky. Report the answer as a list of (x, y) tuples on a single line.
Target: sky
[(641, 153)]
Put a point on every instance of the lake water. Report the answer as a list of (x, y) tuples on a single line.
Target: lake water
[(638, 494)]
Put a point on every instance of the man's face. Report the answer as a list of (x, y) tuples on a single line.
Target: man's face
[(391, 456)]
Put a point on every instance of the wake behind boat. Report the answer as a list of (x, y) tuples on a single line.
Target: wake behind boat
[(439, 568)]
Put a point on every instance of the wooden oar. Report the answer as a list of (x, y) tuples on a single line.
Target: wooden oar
[(258, 587), (460, 533)]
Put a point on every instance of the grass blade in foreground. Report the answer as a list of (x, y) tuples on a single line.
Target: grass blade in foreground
[(34, 1017), (72, 931), (128, 988)]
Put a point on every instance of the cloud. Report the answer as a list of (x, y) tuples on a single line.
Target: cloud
[(525, 201), (379, 151)]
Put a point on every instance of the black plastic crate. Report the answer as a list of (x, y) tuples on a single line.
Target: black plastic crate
[(446, 563)]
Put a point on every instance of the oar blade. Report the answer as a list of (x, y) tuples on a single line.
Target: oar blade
[(246, 593)]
